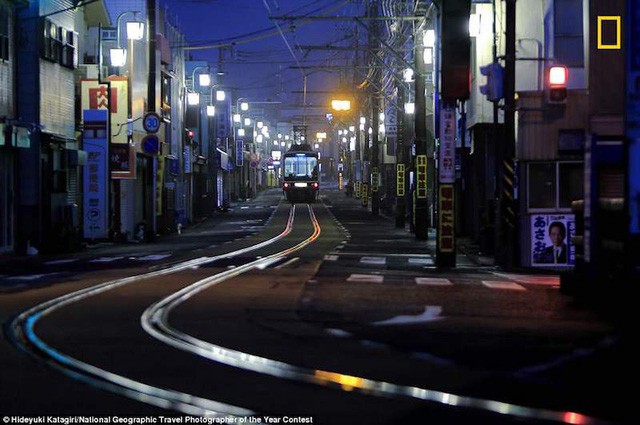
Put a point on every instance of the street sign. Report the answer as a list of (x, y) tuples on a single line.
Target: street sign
[(151, 122), (421, 176), (119, 157), (447, 155), (151, 144)]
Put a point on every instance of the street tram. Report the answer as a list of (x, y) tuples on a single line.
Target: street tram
[(300, 177)]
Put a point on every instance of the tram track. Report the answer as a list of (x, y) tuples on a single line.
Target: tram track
[(20, 331), (155, 321)]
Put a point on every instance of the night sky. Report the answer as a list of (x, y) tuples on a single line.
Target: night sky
[(255, 58)]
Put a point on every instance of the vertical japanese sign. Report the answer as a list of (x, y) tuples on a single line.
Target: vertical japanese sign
[(551, 236), (239, 152), (447, 154), (374, 179), (159, 183), (187, 159), (399, 179), (95, 172), (421, 176), (446, 241), (223, 119)]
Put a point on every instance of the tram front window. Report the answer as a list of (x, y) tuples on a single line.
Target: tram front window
[(300, 167)]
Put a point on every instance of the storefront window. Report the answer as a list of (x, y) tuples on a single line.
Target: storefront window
[(542, 185), (554, 185), (571, 183)]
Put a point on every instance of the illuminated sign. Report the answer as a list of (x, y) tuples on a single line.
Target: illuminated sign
[(374, 179), (95, 174), (400, 180), (421, 172), (446, 240), (447, 155)]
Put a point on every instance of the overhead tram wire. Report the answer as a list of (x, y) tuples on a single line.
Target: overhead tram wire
[(231, 41)]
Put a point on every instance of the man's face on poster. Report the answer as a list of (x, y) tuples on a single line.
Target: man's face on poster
[(556, 235)]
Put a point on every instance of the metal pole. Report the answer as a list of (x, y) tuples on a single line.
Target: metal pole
[(421, 202)]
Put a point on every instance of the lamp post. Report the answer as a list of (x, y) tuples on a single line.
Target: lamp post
[(135, 31)]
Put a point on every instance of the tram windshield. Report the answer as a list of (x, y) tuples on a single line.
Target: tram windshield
[(301, 166)]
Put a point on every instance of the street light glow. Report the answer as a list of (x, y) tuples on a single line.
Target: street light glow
[(340, 105), (193, 98), (429, 38), (118, 57), (135, 30), (211, 110), (237, 118), (247, 122), (241, 132), (409, 108), (204, 79), (244, 106), (220, 95)]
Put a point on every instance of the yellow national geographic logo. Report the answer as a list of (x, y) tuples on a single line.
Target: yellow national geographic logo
[(606, 20)]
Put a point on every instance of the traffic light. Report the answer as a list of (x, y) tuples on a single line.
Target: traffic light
[(494, 89), (557, 78)]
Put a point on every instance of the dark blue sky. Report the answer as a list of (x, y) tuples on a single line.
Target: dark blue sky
[(256, 60)]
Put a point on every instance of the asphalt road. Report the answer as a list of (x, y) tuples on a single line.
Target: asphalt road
[(321, 312)]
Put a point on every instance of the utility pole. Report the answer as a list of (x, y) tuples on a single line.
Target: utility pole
[(375, 109), (401, 207), (508, 203), (421, 201)]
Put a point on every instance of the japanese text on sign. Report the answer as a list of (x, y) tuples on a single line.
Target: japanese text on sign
[(447, 155), (446, 223), (374, 179), (400, 180), (421, 175)]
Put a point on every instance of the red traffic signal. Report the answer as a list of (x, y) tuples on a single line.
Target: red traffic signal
[(557, 78)]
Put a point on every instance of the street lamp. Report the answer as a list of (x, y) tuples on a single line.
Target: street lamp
[(135, 31), (193, 97)]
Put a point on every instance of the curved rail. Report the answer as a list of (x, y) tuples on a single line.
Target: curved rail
[(20, 332), (155, 322)]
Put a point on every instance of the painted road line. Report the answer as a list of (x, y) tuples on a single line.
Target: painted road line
[(503, 284), (549, 280), (378, 261), (372, 278), (431, 313), (433, 281), (331, 257), (56, 262), (152, 257), (105, 259), (420, 261)]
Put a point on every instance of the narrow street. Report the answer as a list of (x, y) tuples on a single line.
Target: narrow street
[(286, 321)]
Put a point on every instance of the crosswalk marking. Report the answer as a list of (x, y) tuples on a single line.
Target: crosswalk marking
[(380, 261), (433, 281), (366, 278), (503, 284), (551, 280), (420, 261)]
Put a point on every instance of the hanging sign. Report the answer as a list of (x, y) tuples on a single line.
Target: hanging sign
[(95, 173)]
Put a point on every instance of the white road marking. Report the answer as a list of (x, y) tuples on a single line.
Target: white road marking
[(433, 281), (551, 280), (366, 278), (380, 261), (420, 261), (431, 313), (153, 257), (331, 258), (503, 284), (31, 277), (338, 333), (105, 259), (65, 261), (244, 208)]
